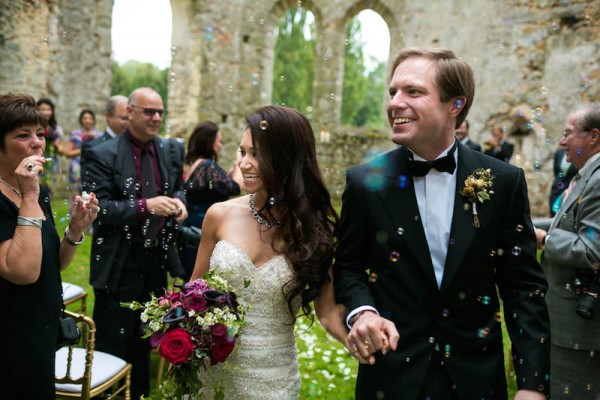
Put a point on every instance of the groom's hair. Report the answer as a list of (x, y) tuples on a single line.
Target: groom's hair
[(453, 78)]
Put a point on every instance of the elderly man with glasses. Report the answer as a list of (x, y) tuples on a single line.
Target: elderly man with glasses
[(137, 178), (571, 261)]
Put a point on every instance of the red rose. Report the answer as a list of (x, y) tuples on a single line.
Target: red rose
[(176, 346), (223, 344)]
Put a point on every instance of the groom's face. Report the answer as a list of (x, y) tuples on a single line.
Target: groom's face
[(417, 116)]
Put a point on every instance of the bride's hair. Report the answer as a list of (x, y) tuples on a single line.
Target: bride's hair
[(289, 170)]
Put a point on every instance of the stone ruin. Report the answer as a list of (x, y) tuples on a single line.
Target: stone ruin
[(534, 60)]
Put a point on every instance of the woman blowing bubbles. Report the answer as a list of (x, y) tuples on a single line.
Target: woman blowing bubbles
[(31, 254), (280, 239)]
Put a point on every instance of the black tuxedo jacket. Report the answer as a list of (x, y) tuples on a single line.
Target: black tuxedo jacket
[(383, 261), (111, 176), (561, 181)]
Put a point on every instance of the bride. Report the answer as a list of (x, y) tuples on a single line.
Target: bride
[(275, 245)]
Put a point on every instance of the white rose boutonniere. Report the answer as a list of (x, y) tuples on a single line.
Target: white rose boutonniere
[(478, 189)]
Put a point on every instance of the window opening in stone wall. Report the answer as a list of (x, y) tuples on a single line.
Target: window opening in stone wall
[(141, 48), (365, 70), (293, 68)]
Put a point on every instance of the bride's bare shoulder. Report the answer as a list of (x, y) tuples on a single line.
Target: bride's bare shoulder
[(229, 208)]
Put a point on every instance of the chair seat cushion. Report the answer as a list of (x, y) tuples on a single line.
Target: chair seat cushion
[(71, 291), (104, 367)]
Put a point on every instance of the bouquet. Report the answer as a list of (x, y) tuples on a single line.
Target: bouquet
[(193, 326)]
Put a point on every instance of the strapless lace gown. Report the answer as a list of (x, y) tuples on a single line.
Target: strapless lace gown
[(263, 364)]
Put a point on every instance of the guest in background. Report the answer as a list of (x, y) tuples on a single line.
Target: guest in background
[(564, 172), (206, 182), (571, 261), (31, 254), (54, 136), (138, 179), (116, 123), (498, 147), (86, 133), (462, 134)]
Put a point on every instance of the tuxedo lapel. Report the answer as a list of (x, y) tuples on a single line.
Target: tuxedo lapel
[(462, 230), (400, 204)]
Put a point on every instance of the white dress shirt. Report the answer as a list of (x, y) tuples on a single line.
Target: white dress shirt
[(435, 197)]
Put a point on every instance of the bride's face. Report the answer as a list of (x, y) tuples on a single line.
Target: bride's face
[(248, 164)]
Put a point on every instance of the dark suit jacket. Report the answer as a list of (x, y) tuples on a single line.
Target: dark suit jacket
[(111, 176), (473, 145), (561, 181), (380, 218), (505, 153), (84, 149)]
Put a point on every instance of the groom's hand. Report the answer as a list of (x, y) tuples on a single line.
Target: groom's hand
[(371, 333)]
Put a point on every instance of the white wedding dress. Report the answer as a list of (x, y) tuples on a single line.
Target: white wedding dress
[(263, 364)]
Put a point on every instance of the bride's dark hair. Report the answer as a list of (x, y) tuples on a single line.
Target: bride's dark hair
[(290, 173)]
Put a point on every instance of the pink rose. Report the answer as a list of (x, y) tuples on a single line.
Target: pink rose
[(176, 346)]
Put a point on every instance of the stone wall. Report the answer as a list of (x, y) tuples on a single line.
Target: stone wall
[(534, 60), (58, 49)]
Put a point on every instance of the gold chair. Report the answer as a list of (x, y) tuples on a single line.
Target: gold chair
[(82, 373), (73, 293)]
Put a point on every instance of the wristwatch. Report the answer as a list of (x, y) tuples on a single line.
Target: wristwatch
[(71, 242)]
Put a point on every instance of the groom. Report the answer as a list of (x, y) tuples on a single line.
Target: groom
[(420, 266)]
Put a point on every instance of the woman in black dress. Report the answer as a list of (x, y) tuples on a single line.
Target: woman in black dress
[(206, 182), (31, 254)]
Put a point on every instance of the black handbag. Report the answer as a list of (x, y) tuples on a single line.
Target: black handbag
[(68, 332)]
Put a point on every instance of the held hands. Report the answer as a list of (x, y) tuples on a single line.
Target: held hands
[(85, 211), (370, 334), (167, 207), (540, 234), (524, 394)]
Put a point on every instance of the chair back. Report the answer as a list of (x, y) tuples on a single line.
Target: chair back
[(88, 338), (83, 373)]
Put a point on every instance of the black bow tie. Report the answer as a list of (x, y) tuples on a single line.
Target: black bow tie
[(442, 164)]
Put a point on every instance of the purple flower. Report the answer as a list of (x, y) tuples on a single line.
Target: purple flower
[(156, 338)]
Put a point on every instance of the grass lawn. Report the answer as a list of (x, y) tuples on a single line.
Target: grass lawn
[(327, 370)]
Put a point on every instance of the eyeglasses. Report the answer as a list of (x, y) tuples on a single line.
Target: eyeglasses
[(149, 112)]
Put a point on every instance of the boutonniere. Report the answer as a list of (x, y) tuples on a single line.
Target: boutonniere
[(477, 189)]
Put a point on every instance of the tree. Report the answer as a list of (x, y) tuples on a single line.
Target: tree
[(363, 90), (133, 75), (293, 69)]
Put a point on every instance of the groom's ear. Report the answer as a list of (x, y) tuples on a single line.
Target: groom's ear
[(457, 105)]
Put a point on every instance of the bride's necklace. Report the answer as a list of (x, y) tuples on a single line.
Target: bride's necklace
[(11, 187), (259, 218)]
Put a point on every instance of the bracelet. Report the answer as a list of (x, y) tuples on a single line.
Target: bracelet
[(69, 241), (29, 221)]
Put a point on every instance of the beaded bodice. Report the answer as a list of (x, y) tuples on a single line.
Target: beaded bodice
[(263, 364)]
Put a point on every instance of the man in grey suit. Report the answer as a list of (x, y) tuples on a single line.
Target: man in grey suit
[(571, 261)]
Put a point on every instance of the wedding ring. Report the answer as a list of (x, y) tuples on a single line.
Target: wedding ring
[(366, 344), (29, 166)]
